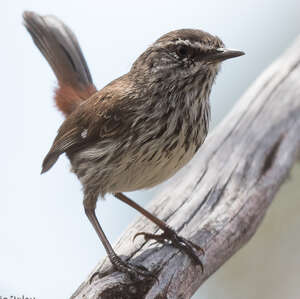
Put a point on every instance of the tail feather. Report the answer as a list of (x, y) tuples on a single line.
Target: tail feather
[(61, 49)]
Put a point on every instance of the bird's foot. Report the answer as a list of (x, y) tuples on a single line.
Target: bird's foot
[(135, 272), (170, 236)]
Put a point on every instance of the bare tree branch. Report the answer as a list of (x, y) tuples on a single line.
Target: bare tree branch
[(220, 198)]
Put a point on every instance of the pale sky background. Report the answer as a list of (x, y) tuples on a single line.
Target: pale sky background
[(47, 245)]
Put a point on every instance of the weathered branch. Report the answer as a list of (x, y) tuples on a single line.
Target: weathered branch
[(220, 198)]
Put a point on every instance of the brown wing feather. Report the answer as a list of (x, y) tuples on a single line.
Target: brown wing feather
[(99, 116)]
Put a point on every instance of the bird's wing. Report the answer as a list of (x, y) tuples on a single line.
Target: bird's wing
[(99, 117)]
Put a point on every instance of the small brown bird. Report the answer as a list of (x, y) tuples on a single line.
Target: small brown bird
[(141, 128)]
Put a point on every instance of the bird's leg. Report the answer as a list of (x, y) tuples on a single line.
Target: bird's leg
[(168, 235), (134, 271)]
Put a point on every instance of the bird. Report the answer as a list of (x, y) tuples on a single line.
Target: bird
[(138, 130)]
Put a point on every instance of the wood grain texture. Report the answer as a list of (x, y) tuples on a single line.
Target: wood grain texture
[(220, 198)]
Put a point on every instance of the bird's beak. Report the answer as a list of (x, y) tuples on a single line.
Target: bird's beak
[(223, 54)]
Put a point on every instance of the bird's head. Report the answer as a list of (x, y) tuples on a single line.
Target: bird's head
[(183, 54)]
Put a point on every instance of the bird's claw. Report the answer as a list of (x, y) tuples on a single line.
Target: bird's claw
[(133, 271), (182, 244)]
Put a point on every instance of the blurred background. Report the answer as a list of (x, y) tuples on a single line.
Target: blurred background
[(47, 246)]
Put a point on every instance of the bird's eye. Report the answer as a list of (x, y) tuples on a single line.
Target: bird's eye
[(183, 51)]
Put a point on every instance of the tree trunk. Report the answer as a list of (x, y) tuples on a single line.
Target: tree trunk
[(220, 198)]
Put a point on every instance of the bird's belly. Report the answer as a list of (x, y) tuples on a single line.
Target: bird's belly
[(133, 169), (146, 174), (153, 168)]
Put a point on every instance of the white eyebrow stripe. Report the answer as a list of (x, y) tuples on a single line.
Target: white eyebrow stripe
[(186, 42)]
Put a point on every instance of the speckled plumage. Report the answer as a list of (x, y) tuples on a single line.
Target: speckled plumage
[(147, 152)]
